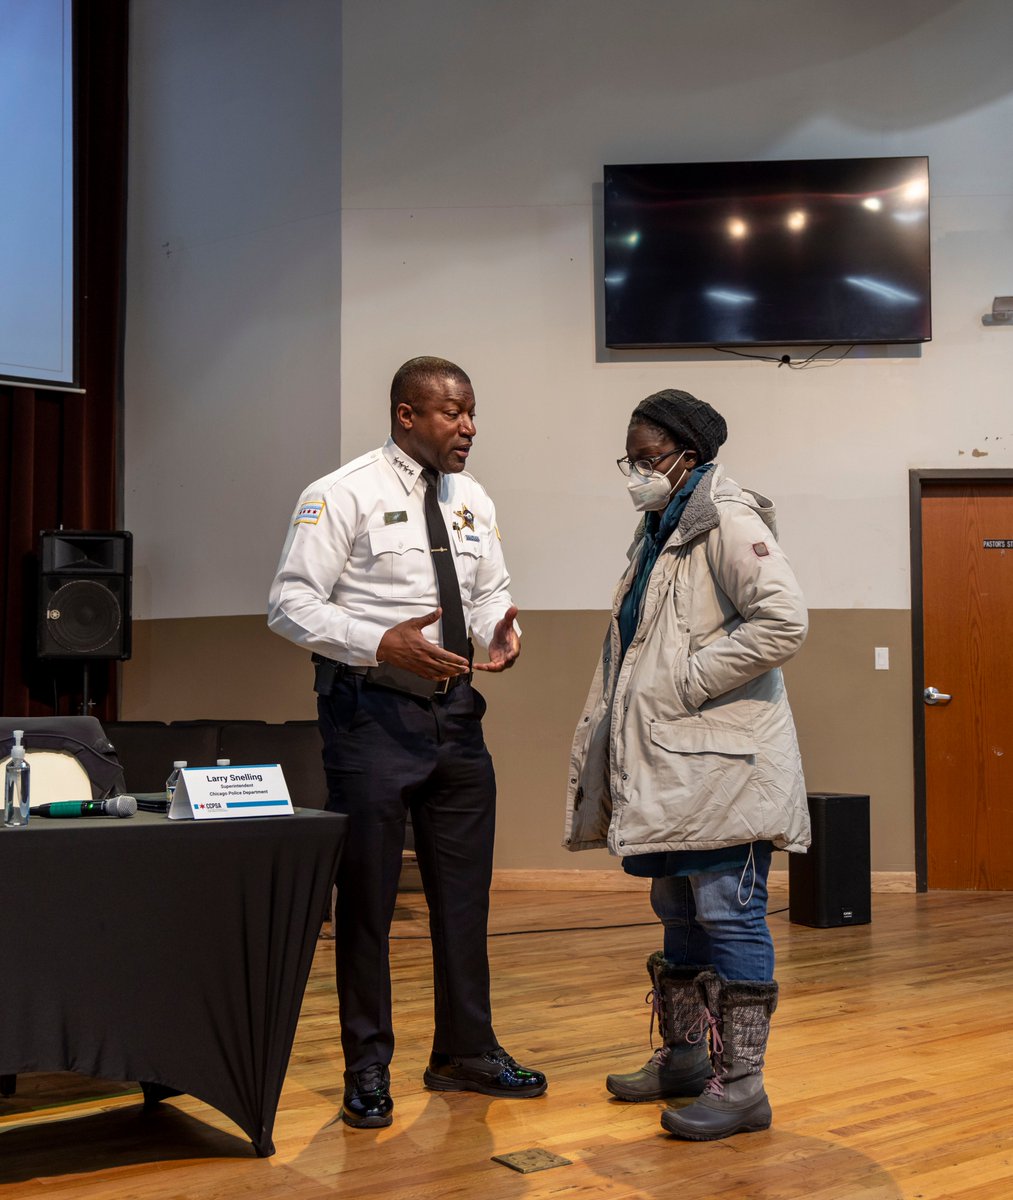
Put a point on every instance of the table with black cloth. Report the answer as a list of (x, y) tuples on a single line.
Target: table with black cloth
[(174, 953)]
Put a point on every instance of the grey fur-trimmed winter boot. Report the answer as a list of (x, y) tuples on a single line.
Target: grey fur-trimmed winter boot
[(734, 1100), (678, 1067)]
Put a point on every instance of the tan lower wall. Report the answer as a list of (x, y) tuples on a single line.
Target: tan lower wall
[(854, 723), (523, 879)]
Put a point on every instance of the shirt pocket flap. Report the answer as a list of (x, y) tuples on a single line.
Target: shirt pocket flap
[(395, 539), (692, 736), (467, 542)]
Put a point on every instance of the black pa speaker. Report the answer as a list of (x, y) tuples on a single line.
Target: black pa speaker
[(84, 594), (832, 884)]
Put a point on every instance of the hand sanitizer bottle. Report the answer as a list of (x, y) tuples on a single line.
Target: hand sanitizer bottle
[(17, 785)]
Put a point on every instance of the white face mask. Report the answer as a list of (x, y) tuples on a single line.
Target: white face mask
[(651, 493)]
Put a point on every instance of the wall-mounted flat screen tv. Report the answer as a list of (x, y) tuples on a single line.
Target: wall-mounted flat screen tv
[(801, 252)]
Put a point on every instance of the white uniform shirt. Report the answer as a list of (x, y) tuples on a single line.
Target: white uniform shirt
[(357, 559)]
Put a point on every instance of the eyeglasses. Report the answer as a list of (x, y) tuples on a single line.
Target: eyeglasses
[(643, 466)]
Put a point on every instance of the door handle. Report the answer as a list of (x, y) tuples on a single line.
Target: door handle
[(933, 695)]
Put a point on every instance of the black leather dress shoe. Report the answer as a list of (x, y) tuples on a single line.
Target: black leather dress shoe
[(494, 1073), (367, 1103)]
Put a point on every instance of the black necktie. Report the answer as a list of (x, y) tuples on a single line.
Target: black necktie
[(455, 631)]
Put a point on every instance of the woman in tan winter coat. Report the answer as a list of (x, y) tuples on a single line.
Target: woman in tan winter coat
[(685, 761)]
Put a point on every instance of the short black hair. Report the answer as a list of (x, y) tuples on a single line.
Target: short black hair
[(415, 374)]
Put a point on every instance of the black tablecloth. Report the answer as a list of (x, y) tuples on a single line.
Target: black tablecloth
[(171, 952)]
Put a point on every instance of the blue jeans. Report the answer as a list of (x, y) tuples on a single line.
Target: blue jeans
[(719, 919)]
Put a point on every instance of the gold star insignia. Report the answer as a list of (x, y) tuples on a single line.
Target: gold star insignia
[(467, 517)]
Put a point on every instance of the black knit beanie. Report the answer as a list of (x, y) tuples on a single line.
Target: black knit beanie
[(692, 422)]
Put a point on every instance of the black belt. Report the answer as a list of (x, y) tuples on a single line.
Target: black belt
[(395, 679)]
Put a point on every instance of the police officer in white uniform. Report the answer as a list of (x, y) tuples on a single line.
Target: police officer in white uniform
[(365, 582)]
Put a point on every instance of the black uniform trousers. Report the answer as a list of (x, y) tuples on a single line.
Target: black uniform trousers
[(385, 754)]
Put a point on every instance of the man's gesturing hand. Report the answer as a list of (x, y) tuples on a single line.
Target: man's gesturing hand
[(404, 645), (505, 645)]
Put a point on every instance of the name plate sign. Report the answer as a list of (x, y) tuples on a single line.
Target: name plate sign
[(216, 793)]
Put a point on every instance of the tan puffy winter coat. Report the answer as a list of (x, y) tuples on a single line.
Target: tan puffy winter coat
[(690, 745)]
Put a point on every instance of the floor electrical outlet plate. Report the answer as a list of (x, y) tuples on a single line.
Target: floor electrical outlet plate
[(527, 1161)]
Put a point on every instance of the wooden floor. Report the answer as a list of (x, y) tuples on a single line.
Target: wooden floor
[(889, 1072)]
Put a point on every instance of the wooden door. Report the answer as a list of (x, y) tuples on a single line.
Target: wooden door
[(967, 609)]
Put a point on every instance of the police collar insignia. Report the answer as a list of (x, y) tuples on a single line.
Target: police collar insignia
[(403, 466)]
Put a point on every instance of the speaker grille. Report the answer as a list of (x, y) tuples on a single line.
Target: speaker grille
[(83, 601), (83, 617)]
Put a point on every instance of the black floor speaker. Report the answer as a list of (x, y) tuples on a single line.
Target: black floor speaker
[(84, 594), (832, 884)]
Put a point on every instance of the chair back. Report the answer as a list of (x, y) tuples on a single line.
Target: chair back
[(56, 775), (81, 739)]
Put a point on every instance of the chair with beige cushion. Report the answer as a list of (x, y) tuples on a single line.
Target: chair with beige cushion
[(71, 758), (56, 775)]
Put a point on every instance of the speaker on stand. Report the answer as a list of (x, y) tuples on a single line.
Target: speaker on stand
[(84, 597)]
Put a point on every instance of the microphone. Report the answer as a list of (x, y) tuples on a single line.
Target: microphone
[(118, 806)]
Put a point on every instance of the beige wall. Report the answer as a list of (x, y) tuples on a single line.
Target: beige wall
[(321, 189), (854, 722), (393, 179)]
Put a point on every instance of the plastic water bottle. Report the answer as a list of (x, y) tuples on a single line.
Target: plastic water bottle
[(170, 783), (17, 785)]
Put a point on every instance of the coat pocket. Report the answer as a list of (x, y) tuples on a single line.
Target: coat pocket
[(704, 782), (693, 736)]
